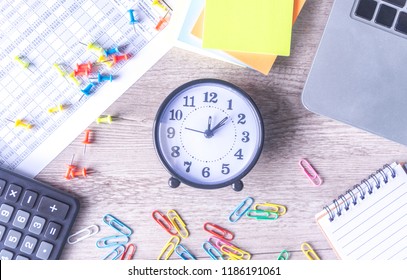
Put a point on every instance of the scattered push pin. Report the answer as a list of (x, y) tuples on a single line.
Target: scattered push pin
[(70, 169), (95, 48), (86, 141), (133, 19), (58, 108), (102, 78), (81, 72), (21, 123), (79, 173), (111, 51), (86, 90), (23, 63), (117, 58), (158, 4), (84, 66), (105, 119), (162, 23)]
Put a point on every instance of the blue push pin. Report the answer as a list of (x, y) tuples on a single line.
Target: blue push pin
[(111, 51), (102, 78), (86, 90), (133, 20)]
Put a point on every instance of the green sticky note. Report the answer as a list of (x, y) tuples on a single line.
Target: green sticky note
[(255, 26)]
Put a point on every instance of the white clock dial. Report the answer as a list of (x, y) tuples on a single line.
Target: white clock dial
[(208, 133)]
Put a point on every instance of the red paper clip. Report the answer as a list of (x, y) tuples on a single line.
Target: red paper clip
[(129, 254), (310, 172), (218, 231), (164, 222)]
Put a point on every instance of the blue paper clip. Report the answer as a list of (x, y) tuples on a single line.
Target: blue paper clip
[(183, 253), (240, 211), (113, 240), (211, 250), (117, 225), (116, 253)]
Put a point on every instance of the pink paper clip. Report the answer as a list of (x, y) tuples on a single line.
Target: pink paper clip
[(310, 172)]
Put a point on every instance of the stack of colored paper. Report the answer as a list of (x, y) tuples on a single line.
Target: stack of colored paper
[(245, 32)]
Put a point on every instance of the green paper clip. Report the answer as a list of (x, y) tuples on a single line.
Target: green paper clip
[(262, 215), (283, 255)]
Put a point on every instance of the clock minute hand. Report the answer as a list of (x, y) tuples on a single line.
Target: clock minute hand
[(220, 124), (195, 130)]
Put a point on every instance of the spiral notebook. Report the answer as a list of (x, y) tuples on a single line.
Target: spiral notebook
[(369, 220)]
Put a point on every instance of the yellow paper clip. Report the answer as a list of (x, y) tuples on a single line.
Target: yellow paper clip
[(310, 172), (235, 253), (22, 63), (178, 223), (83, 234), (58, 108), (309, 252), (169, 248), (271, 207)]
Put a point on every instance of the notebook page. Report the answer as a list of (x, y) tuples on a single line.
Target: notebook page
[(376, 227)]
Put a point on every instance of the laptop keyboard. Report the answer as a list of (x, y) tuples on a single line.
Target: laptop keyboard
[(389, 15)]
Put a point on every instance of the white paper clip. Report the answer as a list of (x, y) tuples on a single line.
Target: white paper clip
[(83, 234), (310, 172)]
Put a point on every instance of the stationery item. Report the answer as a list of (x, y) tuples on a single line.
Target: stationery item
[(241, 209), (115, 253), (219, 231), (211, 250), (284, 255), (164, 222), (183, 253), (178, 223), (83, 234), (129, 252), (35, 219), (169, 248), (309, 252), (369, 221), (358, 73), (256, 61), (117, 225), (241, 25), (310, 172), (262, 215), (271, 207)]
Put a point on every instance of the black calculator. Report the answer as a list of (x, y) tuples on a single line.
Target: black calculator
[(35, 218)]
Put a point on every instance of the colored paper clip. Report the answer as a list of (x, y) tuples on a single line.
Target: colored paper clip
[(83, 234), (117, 225), (129, 252), (235, 253), (183, 253), (115, 253), (211, 250), (169, 248), (283, 255), (271, 207), (218, 231), (218, 243), (241, 209), (113, 240), (309, 252), (310, 172), (164, 222), (262, 215), (178, 223)]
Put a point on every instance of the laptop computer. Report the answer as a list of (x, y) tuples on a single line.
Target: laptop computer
[(359, 73)]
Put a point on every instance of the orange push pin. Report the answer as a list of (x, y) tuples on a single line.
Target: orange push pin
[(79, 173), (86, 141), (71, 168)]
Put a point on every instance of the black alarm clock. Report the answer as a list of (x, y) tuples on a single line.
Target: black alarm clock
[(208, 134)]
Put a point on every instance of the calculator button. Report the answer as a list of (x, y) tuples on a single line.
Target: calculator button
[(21, 258), (6, 255), (12, 239), (29, 199), (13, 192), (37, 224), (21, 219), (2, 230), (44, 250), (52, 231), (5, 213), (28, 244), (2, 186), (53, 208)]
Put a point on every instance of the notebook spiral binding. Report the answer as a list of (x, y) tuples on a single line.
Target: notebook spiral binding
[(359, 191)]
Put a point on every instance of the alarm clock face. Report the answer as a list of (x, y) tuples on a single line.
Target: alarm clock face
[(208, 133)]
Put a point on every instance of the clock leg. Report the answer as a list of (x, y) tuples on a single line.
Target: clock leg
[(174, 182), (237, 186)]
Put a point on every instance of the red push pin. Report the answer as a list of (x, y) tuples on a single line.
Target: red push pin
[(117, 58), (71, 167), (81, 72), (84, 66), (86, 140), (79, 173)]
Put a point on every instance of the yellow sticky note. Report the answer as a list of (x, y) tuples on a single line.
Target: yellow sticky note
[(256, 26)]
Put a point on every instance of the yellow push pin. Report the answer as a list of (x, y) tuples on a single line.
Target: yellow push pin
[(22, 63), (95, 48), (104, 119), (21, 123), (158, 3), (58, 108)]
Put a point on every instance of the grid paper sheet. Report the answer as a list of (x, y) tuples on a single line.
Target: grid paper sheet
[(57, 31)]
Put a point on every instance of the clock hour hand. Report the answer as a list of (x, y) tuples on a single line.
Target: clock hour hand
[(220, 124)]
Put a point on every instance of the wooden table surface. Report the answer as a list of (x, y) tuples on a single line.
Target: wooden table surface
[(129, 182)]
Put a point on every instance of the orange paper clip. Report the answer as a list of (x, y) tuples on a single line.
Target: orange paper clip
[(164, 222), (218, 231), (310, 172)]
